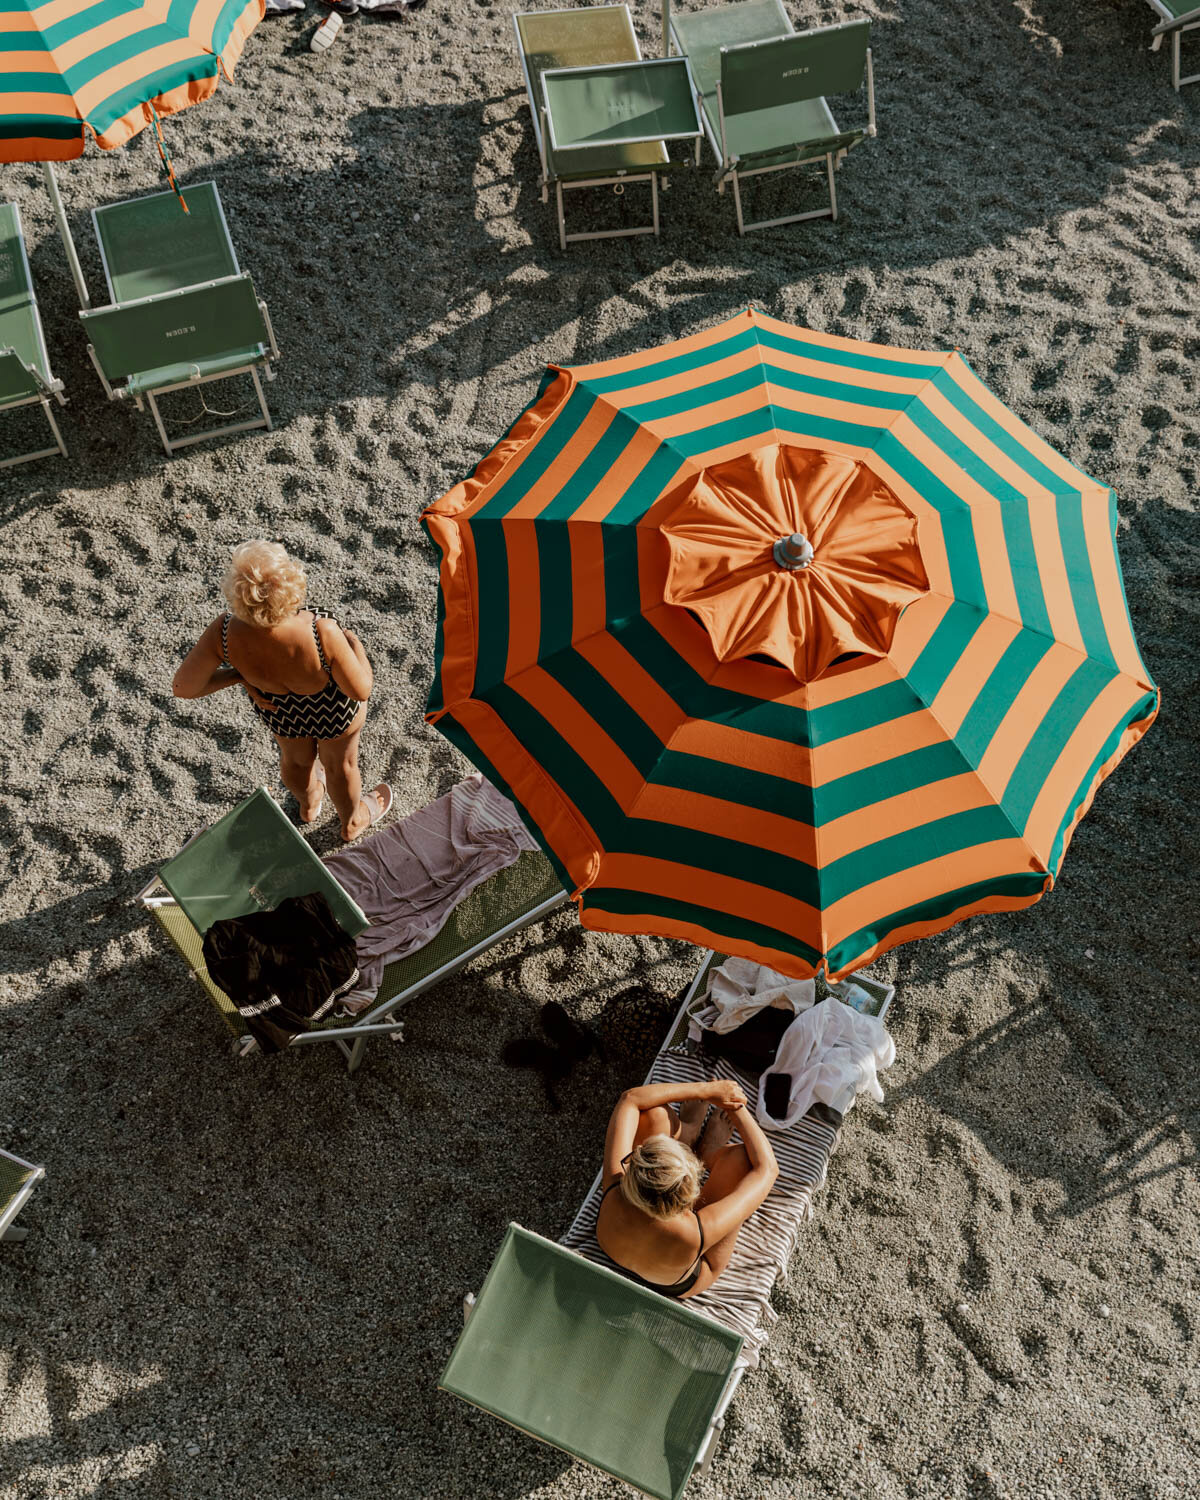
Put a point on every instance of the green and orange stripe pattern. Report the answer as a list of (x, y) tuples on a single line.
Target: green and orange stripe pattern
[(105, 66), (807, 825)]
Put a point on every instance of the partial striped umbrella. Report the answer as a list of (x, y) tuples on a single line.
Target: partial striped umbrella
[(107, 68), (790, 645)]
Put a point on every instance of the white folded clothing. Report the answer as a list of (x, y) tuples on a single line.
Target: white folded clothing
[(741, 988), (833, 1053)]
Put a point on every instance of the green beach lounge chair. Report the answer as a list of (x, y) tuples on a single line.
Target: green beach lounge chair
[(561, 1345), (25, 377), (1178, 16), (17, 1180), (763, 88), (602, 116), (253, 858), (182, 312), (578, 1356)]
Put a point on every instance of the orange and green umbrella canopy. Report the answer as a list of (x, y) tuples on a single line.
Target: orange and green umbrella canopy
[(105, 67), (786, 644)]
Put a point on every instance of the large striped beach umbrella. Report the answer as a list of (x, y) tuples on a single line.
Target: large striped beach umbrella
[(107, 68), (790, 645)]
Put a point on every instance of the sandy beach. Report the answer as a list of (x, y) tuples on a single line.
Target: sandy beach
[(243, 1279)]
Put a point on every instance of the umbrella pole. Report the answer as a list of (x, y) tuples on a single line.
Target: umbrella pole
[(666, 15), (65, 232)]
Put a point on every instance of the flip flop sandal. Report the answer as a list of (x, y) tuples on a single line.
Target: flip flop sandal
[(378, 803)]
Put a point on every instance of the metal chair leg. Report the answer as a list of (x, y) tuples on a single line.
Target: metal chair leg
[(832, 188), (262, 400), (13, 1236), (58, 438), (158, 422)]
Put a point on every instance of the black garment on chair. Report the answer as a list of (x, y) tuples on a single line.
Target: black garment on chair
[(281, 968), (754, 1043)]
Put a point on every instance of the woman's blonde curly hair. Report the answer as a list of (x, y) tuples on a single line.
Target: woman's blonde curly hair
[(661, 1177), (263, 584)]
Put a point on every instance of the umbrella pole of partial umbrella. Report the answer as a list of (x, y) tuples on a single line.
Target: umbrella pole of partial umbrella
[(666, 14), (65, 231)]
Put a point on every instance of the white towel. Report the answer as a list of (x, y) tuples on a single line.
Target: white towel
[(833, 1053)]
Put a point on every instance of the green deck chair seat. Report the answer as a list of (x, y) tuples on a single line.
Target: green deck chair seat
[(253, 858), (763, 88), (583, 38), (25, 377), (182, 310), (594, 100), (611, 1372), (18, 1179)]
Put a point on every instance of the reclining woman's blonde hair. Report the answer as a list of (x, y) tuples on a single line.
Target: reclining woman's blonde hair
[(661, 1177), (264, 585)]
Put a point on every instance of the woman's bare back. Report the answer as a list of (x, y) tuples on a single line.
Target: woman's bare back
[(283, 659)]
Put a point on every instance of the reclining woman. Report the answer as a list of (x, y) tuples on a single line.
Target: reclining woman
[(307, 677), (661, 1226)]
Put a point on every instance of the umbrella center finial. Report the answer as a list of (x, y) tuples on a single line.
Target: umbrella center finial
[(794, 553)]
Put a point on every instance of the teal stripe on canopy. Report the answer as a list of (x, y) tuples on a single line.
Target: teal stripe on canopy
[(1017, 887)]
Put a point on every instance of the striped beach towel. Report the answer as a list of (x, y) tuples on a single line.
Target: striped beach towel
[(741, 1296)]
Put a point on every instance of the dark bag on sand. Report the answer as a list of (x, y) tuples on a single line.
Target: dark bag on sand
[(754, 1043), (283, 969)]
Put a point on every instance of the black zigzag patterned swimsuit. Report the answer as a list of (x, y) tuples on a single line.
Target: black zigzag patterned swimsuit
[(305, 716)]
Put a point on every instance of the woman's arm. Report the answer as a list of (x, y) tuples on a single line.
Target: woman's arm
[(347, 660), (718, 1091), (202, 670), (623, 1122), (731, 1212)]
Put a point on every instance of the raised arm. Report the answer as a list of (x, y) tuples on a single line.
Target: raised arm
[(731, 1212), (202, 671), (347, 660), (623, 1122)]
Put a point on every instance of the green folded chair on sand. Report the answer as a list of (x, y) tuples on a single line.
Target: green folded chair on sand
[(18, 1179), (763, 87), (602, 116), (25, 378), (1178, 16), (182, 312), (571, 1353), (253, 858)]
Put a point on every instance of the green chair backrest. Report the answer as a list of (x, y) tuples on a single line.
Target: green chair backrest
[(620, 103), (186, 327), (251, 860), (790, 69), (583, 1358), (20, 326), (149, 245), (17, 383)]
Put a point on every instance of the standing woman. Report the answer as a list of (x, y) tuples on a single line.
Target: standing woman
[(307, 677)]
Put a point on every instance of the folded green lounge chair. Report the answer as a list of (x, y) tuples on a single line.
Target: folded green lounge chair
[(561, 1345), (182, 313), (1178, 16), (17, 1180), (601, 115), (25, 377), (763, 88), (580, 1357), (253, 858)]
